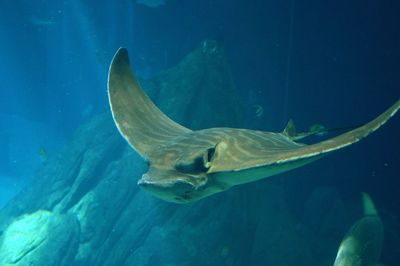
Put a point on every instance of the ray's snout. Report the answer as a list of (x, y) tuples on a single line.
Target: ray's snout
[(142, 182), (178, 191)]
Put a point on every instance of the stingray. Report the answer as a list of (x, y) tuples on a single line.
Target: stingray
[(186, 165)]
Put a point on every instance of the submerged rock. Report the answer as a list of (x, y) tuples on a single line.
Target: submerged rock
[(88, 195), (200, 91), (40, 238)]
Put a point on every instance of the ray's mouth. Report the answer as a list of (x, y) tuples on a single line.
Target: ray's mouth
[(146, 181), (178, 190), (164, 184)]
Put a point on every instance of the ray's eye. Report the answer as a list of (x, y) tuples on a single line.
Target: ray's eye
[(210, 154), (200, 164), (194, 167)]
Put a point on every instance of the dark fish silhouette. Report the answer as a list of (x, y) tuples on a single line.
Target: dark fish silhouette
[(362, 245)]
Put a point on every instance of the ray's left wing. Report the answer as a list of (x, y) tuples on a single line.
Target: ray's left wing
[(139, 121)]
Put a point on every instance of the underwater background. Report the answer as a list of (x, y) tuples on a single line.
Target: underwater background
[(68, 179)]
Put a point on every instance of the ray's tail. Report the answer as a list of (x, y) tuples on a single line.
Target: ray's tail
[(340, 141)]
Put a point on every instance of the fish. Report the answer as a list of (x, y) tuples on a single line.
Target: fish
[(185, 165), (43, 22), (43, 155), (314, 130), (362, 245), (259, 110)]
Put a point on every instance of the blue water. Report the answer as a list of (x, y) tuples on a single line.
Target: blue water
[(329, 62)]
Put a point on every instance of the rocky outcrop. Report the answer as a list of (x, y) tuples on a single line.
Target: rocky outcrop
[(40, 238), (199, 92)]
